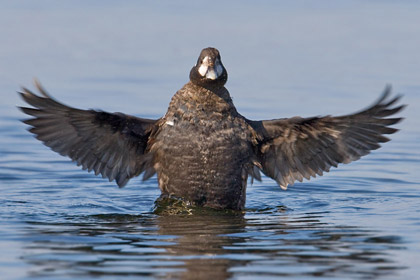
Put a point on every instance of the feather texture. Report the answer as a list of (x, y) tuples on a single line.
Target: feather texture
[(110, 144), (297, 148)]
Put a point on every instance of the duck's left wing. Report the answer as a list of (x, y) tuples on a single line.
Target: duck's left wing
[(296, 148), (111, 144)]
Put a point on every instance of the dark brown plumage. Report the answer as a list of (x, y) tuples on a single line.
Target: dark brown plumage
[(203, 150)]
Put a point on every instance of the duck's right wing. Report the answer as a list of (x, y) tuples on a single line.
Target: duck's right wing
[(111, 144)]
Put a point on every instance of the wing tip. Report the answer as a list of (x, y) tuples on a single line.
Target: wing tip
[(40, 88), (122, 181), (283, 187), (385, 94)]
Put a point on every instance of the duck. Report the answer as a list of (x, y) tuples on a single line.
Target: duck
[(202, 150)]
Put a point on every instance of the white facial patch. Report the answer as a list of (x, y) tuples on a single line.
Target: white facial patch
[(204, 66), (215, 72), (219, 68), (210, 72), (203, 70), (171, 123)]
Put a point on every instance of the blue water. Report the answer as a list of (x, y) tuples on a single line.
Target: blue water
[(286, 58)]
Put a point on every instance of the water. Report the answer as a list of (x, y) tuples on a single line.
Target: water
[(360, 221)]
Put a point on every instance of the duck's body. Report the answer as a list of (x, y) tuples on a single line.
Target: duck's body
[(203, 150)]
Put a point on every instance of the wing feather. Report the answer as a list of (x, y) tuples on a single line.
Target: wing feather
[(111, 144), (296, 148)]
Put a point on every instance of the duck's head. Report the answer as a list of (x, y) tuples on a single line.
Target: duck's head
[(209, 70)]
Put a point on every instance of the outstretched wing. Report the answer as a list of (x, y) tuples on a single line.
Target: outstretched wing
[(297, 148), (113, 145)]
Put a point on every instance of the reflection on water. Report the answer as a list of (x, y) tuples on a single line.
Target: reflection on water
[(206, 245)]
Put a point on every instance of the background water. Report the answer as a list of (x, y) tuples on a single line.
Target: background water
[(284, 58)]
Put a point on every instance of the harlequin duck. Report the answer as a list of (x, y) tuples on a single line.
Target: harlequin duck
[(202, 149)]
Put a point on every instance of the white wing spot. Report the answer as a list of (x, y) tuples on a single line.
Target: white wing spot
[(171, 123)]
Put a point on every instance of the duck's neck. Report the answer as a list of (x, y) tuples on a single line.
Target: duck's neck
[(196, 98)]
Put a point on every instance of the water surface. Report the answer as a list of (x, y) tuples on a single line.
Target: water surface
[(360, 221)]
